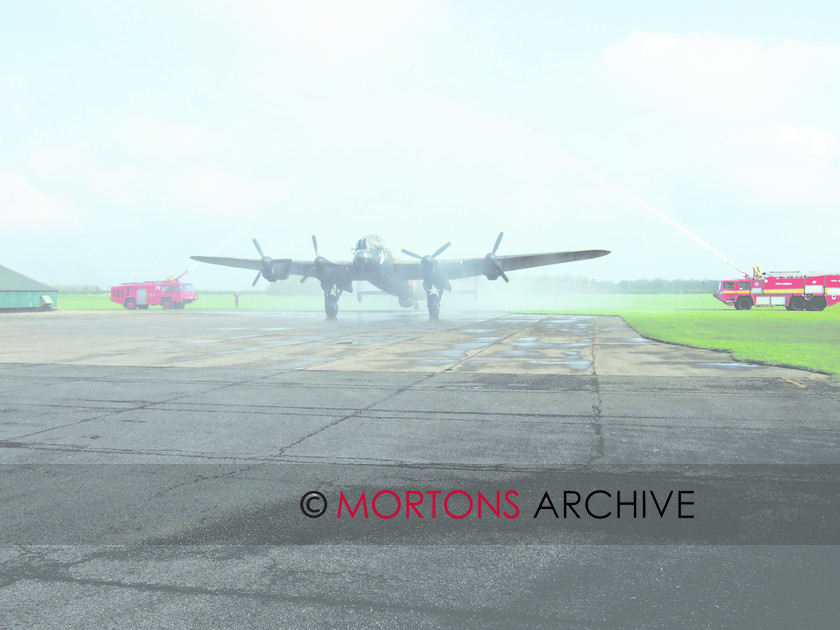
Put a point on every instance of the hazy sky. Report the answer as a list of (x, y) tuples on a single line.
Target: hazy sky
[(133, 135)]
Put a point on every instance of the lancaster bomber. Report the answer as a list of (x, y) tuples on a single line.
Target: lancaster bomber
[(374, 262)]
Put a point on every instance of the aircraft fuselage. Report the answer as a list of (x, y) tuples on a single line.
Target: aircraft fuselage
[(374, 263)]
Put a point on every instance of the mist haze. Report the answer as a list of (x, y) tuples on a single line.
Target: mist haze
[(137, 135)]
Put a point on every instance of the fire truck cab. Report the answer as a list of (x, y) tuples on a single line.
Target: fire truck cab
[(166, 293), (794, 290)]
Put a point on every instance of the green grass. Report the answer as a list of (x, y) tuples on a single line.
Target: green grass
[(207, 301), (767, 335), (802, 339), (774, 336)]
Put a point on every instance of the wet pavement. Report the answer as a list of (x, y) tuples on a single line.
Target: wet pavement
[(359, 342), (153, 465)]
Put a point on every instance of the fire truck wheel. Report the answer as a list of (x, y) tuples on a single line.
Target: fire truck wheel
[(743, 303), (816, 303), (166, 303), (130, 304), (797, 303)]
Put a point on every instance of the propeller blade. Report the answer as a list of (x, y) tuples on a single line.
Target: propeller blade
[(502, 274), (259, 273), (259, 249), (315, 245), (433, 274), (309, 273), (498, 240), (441, 249)]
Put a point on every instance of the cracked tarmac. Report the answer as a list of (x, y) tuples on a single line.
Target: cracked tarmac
[(152, 464)]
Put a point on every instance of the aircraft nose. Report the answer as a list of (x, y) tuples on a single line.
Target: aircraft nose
[(363, 258)]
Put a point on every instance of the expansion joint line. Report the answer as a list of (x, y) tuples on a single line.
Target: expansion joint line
[(596, 401), (472, 356), (358, 412)]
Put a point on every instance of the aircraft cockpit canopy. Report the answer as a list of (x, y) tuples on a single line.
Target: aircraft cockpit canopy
[(372, 243)]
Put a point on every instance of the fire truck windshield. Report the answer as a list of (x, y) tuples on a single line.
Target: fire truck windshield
[(187, 287)]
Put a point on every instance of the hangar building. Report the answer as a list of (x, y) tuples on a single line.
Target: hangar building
[(19, 293)]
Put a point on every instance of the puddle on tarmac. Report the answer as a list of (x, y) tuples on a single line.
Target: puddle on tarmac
[(468, 346), (533, 344)]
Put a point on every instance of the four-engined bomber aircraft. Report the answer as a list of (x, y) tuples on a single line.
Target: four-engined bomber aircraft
[(374, 262)]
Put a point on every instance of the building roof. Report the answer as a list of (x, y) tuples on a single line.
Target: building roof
[(14, 281)]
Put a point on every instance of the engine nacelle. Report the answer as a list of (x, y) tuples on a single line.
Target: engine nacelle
[(276, 270), (492, 267)]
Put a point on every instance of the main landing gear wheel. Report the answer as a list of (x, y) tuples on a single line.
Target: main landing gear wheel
[(331, 305), (816, 303), (434, 305), (743, 303)]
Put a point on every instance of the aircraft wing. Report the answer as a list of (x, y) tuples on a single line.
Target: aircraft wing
[(469, 267), (295, 267), (241, 263)]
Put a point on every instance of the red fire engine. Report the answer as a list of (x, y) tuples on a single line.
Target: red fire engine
[(170, 293), (794, 290)]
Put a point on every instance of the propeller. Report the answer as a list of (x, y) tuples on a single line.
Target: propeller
[(492, 264), (265, 263), (318, 265), (432, 275)]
